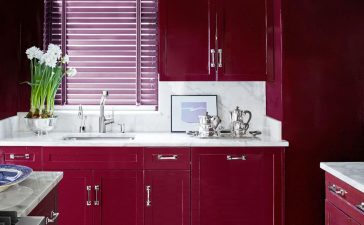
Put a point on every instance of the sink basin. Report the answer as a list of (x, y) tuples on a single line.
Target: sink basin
[(99, 137)]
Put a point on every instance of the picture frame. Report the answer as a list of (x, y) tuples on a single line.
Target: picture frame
[(185, 110)]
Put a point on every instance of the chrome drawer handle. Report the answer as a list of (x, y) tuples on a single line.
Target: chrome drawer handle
[(361, 206), (212, 58), (54, 216), (337, 190), (148, 202), (88, 202), (25, 156), (230, 157), (219, 51), (167, 157), (97, 189)]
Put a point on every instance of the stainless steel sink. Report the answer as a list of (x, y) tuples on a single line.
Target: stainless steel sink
[(99, 137)]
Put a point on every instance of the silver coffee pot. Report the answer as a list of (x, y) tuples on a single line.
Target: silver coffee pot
[(208, 125), (240, 121)]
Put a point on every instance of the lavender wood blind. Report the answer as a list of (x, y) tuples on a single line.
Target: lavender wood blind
[(113, 45)]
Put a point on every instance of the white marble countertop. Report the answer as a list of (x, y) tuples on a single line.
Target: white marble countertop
[(25, 196), (351, 173), (141, 139)]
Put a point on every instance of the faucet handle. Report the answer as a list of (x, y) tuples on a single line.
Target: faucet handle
[(122, 127)]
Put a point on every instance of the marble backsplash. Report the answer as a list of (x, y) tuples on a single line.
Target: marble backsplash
[(246, 95)]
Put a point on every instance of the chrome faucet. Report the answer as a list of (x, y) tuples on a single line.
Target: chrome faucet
[(102, 119)]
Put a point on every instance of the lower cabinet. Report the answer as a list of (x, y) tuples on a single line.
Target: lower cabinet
[(334, 216), (48, 208), (235, 186), (167, 198)]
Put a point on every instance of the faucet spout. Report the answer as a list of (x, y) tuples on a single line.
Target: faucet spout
[(102, 119)]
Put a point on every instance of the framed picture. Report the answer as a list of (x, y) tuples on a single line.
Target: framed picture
[(186, 109)]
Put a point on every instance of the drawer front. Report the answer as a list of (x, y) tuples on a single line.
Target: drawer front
[(92, 158), (26, 156), (167, 158), (345, 197)]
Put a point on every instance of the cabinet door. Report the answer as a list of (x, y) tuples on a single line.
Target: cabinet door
[(73, 198), (334, 216), (232, 186), (167, 197), (119, 196), (245, 36), (186, 38)]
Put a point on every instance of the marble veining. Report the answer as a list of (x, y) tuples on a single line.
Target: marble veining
[(25, 196), (351, 173), (248, 95)]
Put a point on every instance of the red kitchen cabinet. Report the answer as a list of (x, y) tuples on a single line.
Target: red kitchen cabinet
[(245, 39), (48, 208), (334, 216), (186, 39), (210, 40), (236, 186), (167, 197), (118, 197), (75, 197), (26, 156)]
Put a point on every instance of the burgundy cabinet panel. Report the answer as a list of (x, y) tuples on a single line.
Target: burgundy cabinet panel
[(73, 198), (334, 216), (92, 158), (235, 186), (26, 156), (186, 39), (167, 197), (245, 39), (167, 158), (48, 206), (120, 196)]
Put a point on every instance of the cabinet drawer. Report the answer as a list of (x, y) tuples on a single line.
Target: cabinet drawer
[(167, 158), (92, 158), (345, 197), (26, 156)]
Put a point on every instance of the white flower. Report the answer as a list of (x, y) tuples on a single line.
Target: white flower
[(66, 59), (49, 59), (34, 52), (55, 50), (71, 72)]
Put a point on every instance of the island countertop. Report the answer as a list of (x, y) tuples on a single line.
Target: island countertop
[(142, 140), (351, 173), (25, 196)]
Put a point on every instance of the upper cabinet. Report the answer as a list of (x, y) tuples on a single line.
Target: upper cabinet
[(208, 40)]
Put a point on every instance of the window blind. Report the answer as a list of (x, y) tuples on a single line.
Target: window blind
[(113, 46)]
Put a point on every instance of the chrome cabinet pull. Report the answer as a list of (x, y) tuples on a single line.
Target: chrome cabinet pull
[(97, 189), (219, 51), (25, 156), (361, 206), (149, 190), (212, 57), (337, 190), (230, 157), (88, 202), (167, 157), (54, 216)]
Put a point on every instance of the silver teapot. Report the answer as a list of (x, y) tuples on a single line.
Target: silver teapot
[(208, 125), (240, 121)]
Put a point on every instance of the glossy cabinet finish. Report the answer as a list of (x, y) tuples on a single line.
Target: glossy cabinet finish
[(245, 39), (235, 186), (168, 194), (186, 39), (176, 158), (334, 216), (345, 199), (119, 197), (26, 156), (209, 40), (73, 197)]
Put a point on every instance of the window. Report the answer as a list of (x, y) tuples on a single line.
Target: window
[(113, 46)]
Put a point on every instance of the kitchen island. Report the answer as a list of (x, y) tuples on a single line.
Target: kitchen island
[(35, 196)]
